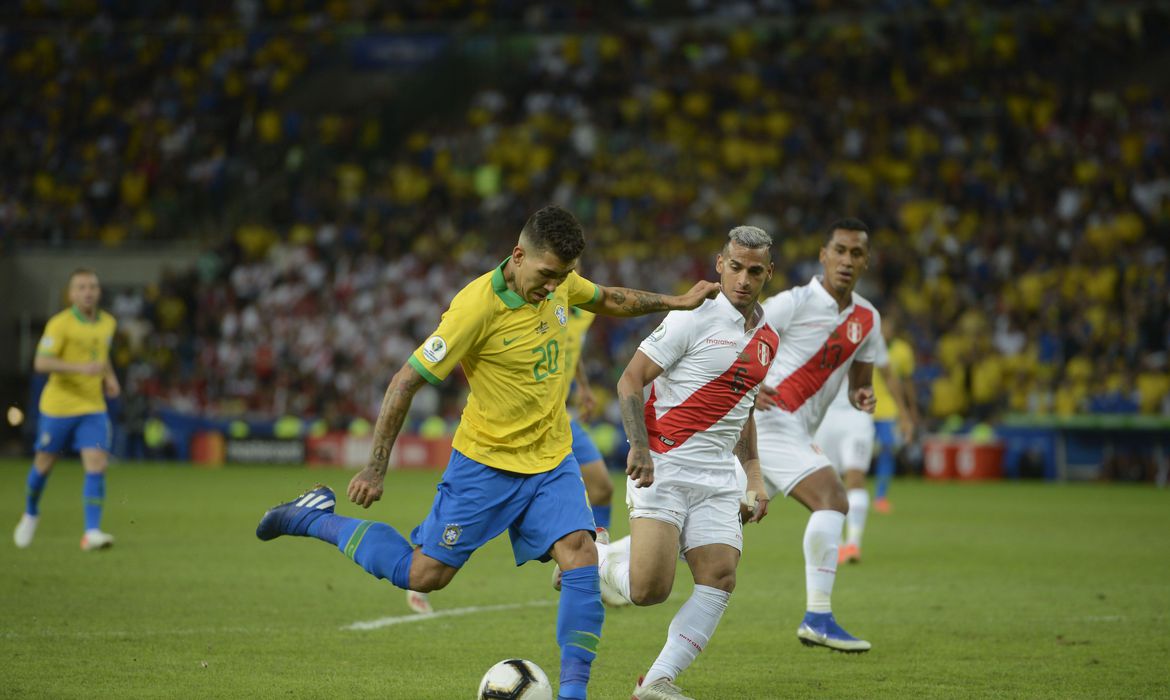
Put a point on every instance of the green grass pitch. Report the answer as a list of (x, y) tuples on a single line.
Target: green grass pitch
[(1006, 590)]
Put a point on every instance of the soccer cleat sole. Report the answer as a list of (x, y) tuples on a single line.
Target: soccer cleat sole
[(824, 645)]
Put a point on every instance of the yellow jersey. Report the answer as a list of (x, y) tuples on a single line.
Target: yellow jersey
[(579, 322), (71, 337), (513, 354), (901, 359)]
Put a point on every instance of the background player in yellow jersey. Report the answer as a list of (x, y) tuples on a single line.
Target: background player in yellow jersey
[(897, 404), (511, 466), (75, 352)]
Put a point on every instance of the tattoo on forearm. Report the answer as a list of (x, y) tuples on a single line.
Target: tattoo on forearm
[(745, 447), (634, 421), (634, 302), (391, 416)]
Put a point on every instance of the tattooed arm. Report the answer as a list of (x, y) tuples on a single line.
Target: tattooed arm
[(366, 485), (640, 372), (620, 301), (749, 459)]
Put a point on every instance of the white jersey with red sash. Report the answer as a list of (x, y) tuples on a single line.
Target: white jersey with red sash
[(818, 344), (712, 370)]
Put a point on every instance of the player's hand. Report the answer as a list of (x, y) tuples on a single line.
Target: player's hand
[(640, 467), (766, 399), (863, 399), (365, 487), (113, 388), (754, 506), (702, 291), (586, 404), (92, 369)]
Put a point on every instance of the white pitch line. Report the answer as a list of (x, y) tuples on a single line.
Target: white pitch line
[(453, 612)]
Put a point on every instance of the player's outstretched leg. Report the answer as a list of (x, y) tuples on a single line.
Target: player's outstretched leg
[(376, 547), (885, 468), (27, 527), (689, 632), (819, 628)]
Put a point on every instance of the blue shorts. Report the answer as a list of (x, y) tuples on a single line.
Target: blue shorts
[(57, 434), (476, 502), (583, 448), (884, 432)]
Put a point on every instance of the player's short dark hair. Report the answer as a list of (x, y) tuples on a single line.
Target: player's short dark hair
[(555, 229), (846, 224), (82, 271)]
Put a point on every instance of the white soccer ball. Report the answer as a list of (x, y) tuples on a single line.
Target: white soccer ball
[(515, 679)]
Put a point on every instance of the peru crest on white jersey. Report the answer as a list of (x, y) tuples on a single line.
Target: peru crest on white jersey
[(712, 369), (818, 344)]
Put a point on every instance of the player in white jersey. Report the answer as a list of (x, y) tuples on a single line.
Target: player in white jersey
[(847, 437), (705, 367), (826, 335)]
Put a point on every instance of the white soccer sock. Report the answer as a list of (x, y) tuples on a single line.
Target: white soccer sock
[(855, 520), (689, 632), (820, 557), (616, 572)]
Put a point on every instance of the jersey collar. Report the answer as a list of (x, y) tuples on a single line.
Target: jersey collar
[(81, 317), (511, 299), (733, 314), (818, 287)]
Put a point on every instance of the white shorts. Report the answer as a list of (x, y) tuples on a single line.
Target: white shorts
[(787, 452), (702, 503), (847, 438)]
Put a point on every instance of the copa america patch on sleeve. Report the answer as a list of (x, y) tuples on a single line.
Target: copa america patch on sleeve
[(658, 333), (435, 349)]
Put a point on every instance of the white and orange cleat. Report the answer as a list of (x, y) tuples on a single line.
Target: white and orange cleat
[(849, 554), (94, 540), (419, 602)]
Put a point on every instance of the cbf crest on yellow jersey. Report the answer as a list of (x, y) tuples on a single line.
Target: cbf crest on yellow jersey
[(513, 354), (71, 337)]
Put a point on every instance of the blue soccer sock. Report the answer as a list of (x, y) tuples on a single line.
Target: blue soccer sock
[(601, 516), (35, 486), (579, 621), (93, 495), (885, 471), (376, 547)]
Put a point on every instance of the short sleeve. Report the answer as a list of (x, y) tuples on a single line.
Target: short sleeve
[(779, 309), (460, 330), (580, 290), (53, 340), (670, 340), (868, 352), (881, 356)]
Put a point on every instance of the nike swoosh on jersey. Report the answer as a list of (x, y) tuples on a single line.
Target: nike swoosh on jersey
[(509, 341)]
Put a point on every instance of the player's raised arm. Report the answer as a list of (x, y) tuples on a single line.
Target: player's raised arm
[(621, 301), (366, 485), (640, 372), (756, 498)]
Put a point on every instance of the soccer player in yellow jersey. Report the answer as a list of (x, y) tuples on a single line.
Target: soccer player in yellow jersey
[(511, 466), (896, 405), (75, 352)]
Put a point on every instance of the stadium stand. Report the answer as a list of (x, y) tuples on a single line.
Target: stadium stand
[(1016, 182)]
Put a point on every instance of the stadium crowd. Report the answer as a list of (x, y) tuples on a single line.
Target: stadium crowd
[(1015, 179)]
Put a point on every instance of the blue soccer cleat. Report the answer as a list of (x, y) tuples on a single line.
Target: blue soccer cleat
[(294, 517), (822, 630)]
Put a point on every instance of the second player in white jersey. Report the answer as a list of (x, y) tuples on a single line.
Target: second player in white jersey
[(704, 368), (827, 336)]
